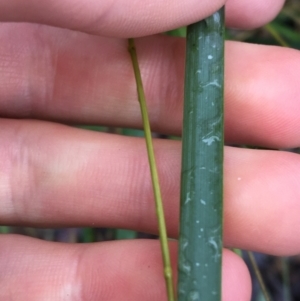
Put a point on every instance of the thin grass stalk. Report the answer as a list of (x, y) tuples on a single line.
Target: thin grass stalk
[(259, 276), (256, 271), (154, 175), (276, 35), (201, 209)]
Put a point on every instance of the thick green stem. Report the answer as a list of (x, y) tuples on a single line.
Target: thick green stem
[(200, 250), (154, 175)]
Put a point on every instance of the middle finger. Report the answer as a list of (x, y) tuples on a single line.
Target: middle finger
[(54, 175), (56, 74)]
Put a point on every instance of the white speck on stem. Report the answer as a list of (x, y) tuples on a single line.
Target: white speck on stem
[(210, 140), (212, 83), (193, 296), (210, 57), (188, 198), (214, 245)]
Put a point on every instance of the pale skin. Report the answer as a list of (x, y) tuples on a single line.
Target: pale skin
[(55, 175)]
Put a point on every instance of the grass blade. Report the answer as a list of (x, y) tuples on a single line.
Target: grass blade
[(276, 35), (154, 175), (258, 276), (200, 249)]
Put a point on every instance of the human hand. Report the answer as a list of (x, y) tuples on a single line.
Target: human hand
[(55, 175)]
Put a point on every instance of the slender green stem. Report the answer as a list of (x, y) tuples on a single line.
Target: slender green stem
[(258, 276), (276, 35), (201, 224), (154, 175)]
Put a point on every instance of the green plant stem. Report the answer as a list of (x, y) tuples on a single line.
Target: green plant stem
[(201, 209), (258, 276), (154, 175), (276, 35)]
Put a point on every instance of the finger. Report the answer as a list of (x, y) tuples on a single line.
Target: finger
[(131, 18), (262, 196), (249, 14), (262, 96), (130, 270), (58, 75), (53, 175)]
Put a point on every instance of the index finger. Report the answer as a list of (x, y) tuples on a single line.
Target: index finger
[(131, 18)]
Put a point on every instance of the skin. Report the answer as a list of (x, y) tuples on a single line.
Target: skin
[(55, 175)]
